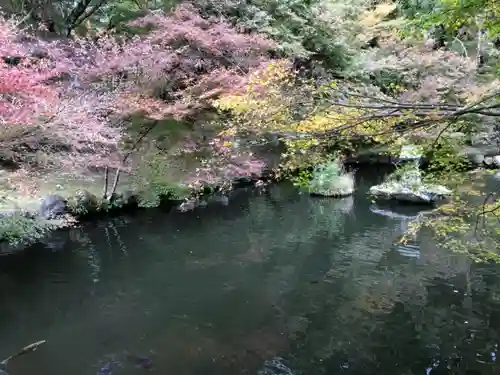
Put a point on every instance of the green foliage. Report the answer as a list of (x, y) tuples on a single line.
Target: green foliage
[(318, 29), (391, 81), (453, 14), (445, 159), (84, 203), (153, 178), (401, 172), (414, 8), (301, 178), (331, 179), (18, 229)]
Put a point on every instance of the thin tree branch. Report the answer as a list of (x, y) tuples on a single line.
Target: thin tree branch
[(139, 139), (27, 349)]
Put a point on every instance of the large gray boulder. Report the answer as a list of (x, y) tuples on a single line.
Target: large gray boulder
[(411, 189), (53, 206)]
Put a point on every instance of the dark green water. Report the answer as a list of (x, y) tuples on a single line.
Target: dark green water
[(225, 289)]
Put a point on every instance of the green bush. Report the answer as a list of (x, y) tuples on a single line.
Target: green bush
[(18, 228), (320, 30), (330, 179), (153, 177)]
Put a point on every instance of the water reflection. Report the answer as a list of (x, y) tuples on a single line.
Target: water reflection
[(276, 283)]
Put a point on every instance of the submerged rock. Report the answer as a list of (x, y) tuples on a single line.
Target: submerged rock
[(391, 213), (143, 362), (107, 369), (220, 198), (409, 250), (275, 366), (53, 206), (188, 205)]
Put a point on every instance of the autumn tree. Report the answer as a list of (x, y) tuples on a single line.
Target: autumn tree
[(166, 73), (314, 33), (24, 94), (313, 118)]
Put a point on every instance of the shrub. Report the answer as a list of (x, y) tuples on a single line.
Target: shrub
[(330, 179), (305, 29), (18, 229)]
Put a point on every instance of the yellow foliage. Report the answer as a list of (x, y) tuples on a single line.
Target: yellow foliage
[(377, 15), (272, 97)]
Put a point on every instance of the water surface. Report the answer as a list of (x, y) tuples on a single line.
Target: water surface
[(222, 290)]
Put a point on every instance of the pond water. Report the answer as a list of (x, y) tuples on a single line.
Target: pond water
[(229, 289)]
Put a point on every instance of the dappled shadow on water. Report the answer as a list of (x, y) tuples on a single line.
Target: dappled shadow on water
[(274, 283)]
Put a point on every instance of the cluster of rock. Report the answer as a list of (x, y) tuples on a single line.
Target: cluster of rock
[(409, 187), (483, 157), (409, 192)]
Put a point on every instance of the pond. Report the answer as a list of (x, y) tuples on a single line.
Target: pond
[(230, 289)]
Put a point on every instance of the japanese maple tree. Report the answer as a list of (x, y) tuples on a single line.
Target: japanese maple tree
[(181, 63), (23, 92)]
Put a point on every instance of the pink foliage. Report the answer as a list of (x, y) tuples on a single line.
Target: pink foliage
[(228, 163), (24, 95), (431, 73), (172, 71), (185, 59)]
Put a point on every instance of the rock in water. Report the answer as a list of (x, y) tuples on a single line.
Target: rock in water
[(145, 363), (52, 206), (409, 187), (425, 193), (107, 369)]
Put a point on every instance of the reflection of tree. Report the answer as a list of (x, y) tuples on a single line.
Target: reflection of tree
[(396, 345), (397, 317), (364, 316), (455, 327), (87, 242), (343, 305), (328, 214), (298, 217)]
